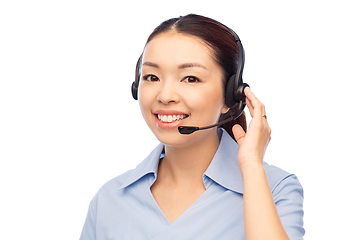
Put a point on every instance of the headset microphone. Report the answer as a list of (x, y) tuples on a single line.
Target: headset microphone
[(242, 104)]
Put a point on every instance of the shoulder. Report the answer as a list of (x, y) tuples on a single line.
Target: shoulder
[(279, 178), (288, 197)]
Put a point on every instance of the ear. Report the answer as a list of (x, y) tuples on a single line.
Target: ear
[(224, 109)]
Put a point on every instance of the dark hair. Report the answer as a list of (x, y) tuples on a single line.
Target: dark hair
[(223, 43)]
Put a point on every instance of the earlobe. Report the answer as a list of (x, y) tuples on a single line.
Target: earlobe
[(224, 109)]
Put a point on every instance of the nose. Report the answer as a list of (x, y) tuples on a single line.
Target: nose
[(168, 93)]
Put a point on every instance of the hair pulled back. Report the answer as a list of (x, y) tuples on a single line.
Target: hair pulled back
[(217, 37)]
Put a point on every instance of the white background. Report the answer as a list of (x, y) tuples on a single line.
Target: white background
[(68, 122)]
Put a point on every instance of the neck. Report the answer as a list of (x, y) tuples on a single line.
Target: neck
[(186, 165)]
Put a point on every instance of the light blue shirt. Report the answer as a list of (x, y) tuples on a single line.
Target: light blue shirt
[(124, 207)]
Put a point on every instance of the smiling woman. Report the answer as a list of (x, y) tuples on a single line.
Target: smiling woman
[(206, 185)]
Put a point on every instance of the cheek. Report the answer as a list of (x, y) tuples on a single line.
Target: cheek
[(207, 102), (145, 101)]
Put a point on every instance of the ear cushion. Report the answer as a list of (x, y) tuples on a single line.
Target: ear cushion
[(135, 84), (229, 92), (239, 95), (134, 90)]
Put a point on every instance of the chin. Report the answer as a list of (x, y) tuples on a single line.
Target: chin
[(172, 137)]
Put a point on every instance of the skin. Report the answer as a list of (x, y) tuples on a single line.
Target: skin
[(179, 75)]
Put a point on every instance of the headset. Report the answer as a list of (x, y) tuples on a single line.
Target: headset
[(234, 91)]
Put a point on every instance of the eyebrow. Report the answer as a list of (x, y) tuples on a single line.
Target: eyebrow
[(190, 65), (150, 64), (182, 66)]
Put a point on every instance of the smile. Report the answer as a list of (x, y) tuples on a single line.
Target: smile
[(171, 118)]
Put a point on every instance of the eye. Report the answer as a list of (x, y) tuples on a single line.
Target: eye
[(191, 79), (151, 78)]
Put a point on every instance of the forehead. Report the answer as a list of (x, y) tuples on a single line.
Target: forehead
[(178, 48)]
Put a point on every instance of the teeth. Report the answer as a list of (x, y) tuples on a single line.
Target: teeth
[(170, 118)]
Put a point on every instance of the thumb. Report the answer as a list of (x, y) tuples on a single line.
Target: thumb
[(239, 133)]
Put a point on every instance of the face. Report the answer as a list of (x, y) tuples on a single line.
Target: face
[(181, 85)]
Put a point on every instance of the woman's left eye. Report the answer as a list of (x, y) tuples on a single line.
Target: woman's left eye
[(191, 79)]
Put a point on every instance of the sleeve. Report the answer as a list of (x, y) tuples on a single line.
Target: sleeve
[(88, 231), (288, 197)]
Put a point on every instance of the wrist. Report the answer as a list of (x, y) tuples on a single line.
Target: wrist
[(251, 167)]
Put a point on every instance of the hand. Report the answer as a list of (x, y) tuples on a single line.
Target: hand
[(253, 144)]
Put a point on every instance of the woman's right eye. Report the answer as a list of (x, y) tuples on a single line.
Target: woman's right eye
[(151, 78)]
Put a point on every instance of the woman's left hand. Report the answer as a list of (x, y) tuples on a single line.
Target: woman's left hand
[(254, 142), (259, 207)]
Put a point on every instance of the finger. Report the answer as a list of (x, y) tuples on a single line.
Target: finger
[(250, 107), (256, 108), (239, 133), (248, 102)]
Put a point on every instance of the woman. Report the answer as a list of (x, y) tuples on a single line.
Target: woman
[(205, 185)]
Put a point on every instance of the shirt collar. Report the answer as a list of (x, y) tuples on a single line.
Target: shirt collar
[(223, 169), (148, 165)]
